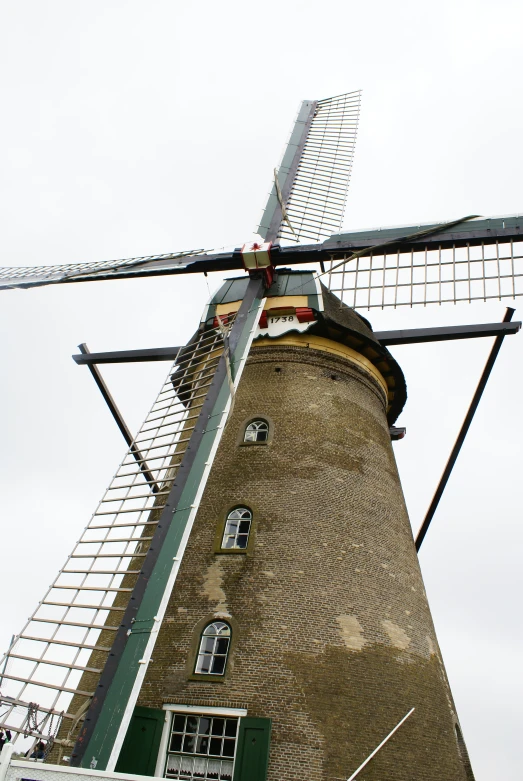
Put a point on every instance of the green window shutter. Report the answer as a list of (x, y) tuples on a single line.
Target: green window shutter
[(252, 752), (142, 742)]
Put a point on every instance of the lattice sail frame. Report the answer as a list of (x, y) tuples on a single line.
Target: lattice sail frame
[(316, 204), (314, 173), (67, 639), (35, 276), (435, 275)]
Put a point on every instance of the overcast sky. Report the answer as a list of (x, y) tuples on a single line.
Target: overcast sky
[(133, 128)]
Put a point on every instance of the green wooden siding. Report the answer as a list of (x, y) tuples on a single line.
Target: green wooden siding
[(252, 751)]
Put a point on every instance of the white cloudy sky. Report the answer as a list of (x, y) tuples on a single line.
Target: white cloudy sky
[(131, 128)]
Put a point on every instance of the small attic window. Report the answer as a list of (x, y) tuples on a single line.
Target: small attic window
[(257, 431)]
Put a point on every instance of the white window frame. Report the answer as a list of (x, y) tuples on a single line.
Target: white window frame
[(213, 654), (199, 710), (226, 535), (257, 422)]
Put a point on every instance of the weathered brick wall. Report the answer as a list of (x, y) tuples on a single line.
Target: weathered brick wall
[(332, 634)]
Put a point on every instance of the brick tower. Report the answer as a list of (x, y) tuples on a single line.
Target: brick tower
[(299, 634)]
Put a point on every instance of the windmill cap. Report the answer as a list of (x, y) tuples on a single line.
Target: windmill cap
[(303, 292)]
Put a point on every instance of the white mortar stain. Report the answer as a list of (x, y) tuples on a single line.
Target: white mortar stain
[(351, 632), (398, 637), (212, 586)]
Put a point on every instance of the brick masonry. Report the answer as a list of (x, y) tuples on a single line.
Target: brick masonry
[(332, 633)]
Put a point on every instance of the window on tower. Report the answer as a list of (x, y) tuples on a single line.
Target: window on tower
[(257, 431), (214, 649), (237, 529), (202, 746)]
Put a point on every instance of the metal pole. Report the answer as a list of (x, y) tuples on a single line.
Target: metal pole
[(398, 725), (128, 356), (445, 333), (115, 412), (463, 432)]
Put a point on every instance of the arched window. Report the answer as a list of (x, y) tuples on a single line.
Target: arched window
[(214, 647), (257, 431), (237, 528)]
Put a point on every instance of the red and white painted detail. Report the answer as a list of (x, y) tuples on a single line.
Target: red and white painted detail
[(280, 320), (277, 321)]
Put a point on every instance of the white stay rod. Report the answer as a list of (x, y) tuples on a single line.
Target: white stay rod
[(356, 772)]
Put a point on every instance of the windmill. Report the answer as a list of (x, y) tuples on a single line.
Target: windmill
[(87, 655)]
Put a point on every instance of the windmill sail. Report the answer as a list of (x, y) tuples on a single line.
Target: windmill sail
[(476, 260), (36, 276), (307, 200), (463, 261), (62, 649), (53, 666)]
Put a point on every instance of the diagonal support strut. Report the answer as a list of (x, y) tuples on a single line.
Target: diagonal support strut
[(120, 422), (463, 432)]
